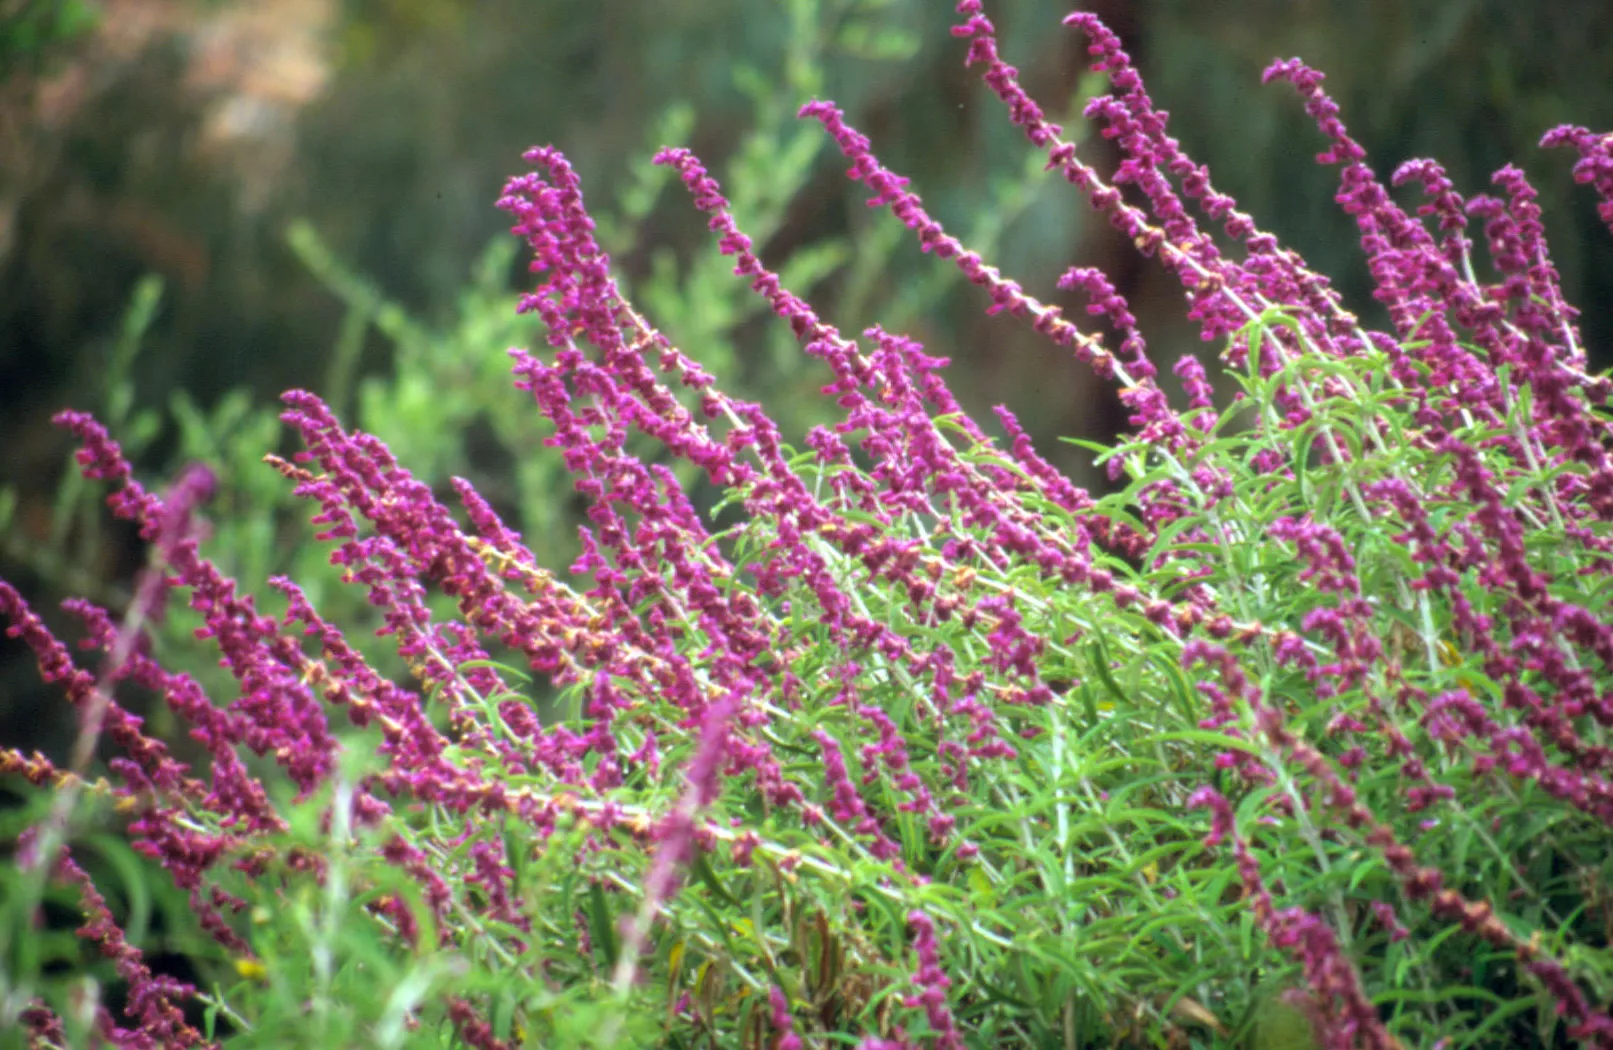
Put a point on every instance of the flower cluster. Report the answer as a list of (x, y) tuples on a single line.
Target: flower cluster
[(893, 735)]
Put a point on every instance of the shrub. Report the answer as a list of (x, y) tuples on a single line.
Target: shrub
[(904, 739)]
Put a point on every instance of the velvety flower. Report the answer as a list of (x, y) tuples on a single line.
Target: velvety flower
[(931, 984), (909, 670), (1595, 164), (782, 1022), (153, 999)]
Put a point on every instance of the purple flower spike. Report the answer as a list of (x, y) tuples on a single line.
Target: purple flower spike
[(791, 685), (932, 983), (1595, 165)]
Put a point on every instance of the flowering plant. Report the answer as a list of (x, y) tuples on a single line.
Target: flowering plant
[(900, 738)]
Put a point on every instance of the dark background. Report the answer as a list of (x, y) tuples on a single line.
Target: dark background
[(182, 138)]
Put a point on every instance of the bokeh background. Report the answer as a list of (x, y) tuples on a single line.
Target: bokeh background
[(203, 202)]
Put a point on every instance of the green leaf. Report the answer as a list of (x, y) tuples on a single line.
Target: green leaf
[(601, 926)]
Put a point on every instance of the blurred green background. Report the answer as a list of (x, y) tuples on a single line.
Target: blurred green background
[(203, 202)]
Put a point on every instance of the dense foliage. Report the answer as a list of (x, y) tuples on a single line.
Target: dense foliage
[(897, 737)]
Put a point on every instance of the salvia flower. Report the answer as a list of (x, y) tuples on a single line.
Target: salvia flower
[(898, 737)]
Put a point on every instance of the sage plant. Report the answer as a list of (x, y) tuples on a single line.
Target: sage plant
[(902, 738)]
